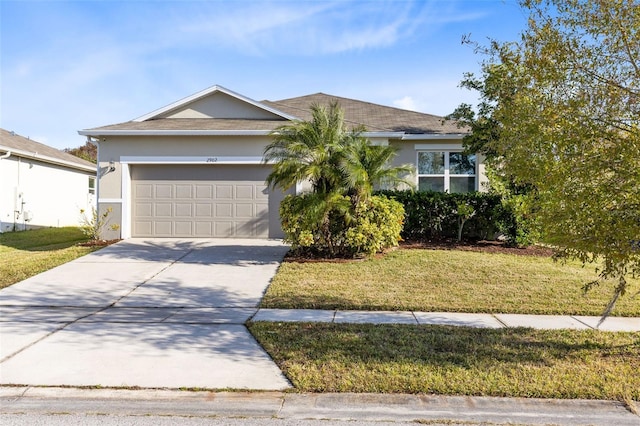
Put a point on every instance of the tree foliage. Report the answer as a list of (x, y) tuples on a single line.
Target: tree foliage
[(342, 167), (559, 114), (88, 152)]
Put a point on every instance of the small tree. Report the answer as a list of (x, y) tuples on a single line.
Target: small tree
[(464, 212), (92, 227)]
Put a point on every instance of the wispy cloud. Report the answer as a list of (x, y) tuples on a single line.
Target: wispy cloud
[(293, 28), (68, 64)]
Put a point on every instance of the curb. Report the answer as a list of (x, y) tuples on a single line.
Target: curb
[(301, 406)]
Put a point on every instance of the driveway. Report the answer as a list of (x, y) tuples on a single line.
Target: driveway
[(161, 313)]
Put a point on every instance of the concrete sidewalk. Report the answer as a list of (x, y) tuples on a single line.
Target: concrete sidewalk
[(547, 322), (328, 407)]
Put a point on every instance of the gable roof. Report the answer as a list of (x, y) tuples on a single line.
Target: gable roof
[(20, 146), (159, 113), (193, 115), (374, 117)]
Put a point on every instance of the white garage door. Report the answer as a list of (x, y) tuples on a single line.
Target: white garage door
[(200, 201)]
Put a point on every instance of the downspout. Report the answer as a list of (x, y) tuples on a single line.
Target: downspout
[(2, 157), (94, 141)]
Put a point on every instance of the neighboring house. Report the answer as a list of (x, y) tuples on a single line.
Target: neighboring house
[(41, 186), (194, 168)]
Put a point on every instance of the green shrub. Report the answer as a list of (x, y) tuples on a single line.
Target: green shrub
[(372, 226), (437, 215)]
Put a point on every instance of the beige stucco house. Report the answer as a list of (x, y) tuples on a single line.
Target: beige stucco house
[(194, 168), (41, 186)]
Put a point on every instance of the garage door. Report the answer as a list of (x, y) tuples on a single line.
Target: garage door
[(201, 201)]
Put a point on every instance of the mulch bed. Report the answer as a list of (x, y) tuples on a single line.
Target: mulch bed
[(98, 243), (476, 246), (482, 246)]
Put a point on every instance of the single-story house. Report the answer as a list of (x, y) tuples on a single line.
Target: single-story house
[(41, 186), (195, 168)]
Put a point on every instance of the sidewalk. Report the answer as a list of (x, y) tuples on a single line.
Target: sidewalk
[(547, 322), (328, 407)]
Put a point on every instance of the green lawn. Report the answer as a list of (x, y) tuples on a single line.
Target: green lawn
[(455, 360), (27, 253), (446, 280)]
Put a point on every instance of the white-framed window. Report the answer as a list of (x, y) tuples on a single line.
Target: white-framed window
[(92, 185), (446, 171)]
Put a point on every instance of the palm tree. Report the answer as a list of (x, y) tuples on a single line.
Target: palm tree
[(366, 166), (323, 152), (309, 151), (340, 164)]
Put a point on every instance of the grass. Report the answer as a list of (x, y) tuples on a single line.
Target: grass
[(27, 253), (446, 280), (455, 360)]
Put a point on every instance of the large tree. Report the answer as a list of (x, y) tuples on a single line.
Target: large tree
[(559, 114)]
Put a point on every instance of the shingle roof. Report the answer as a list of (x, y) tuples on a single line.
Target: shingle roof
[(196, 124), (373, 116), (21, 146), (376, 118)]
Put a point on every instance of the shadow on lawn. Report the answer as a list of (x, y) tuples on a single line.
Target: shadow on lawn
[(45, 239), (443, 346)]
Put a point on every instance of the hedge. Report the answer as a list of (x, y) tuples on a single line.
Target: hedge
[(435, 215)]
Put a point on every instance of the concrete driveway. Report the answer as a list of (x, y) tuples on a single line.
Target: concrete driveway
[(161, 313)]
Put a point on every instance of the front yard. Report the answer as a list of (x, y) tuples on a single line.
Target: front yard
[(451, 360), (455, 360), (446, 281), (27, 253)]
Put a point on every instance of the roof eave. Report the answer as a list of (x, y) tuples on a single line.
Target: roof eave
[(124, 132), (432, 136), (47, 159)]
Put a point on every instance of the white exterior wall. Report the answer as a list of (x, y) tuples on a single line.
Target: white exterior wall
[(43, 194)]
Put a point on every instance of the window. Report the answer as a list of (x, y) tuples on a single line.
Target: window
[(92, 185), (446, 171)]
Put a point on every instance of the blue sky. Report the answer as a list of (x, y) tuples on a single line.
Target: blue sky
[(71, 65)]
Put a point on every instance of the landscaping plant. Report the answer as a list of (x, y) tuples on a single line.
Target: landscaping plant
[(338, 217)]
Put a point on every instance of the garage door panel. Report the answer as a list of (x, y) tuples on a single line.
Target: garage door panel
[(162, 229), (142, 209), (163, 191), (162, 209), (224, 210), (224, 192), (244, 211), (184, 210), (204, 210), (183, 229), (245, 192), (144, 190), (204, 192), (262, 192), (203, 229), (223, 229), (245, 229), (144, 227), (184, 191), (200, 201)]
